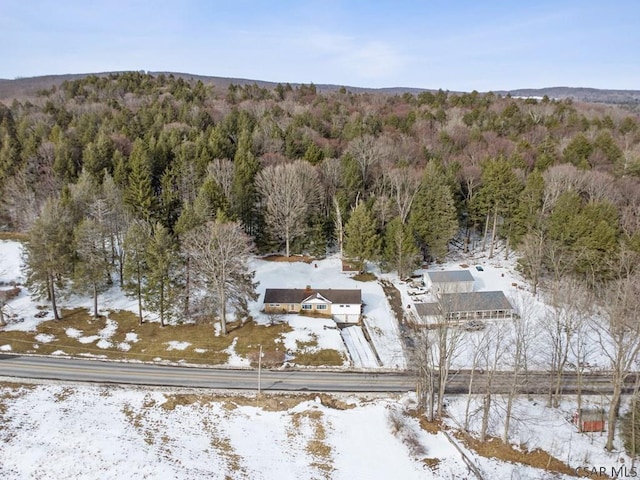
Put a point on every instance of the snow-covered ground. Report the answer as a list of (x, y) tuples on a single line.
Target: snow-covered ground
[(361, 352), (53, 431), (308, 334), (379, 320)]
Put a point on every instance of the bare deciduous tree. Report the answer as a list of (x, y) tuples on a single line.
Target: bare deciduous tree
[(405, 183), (618, 332), (220, 254), (222, 170), (290, 192), (366, 151)]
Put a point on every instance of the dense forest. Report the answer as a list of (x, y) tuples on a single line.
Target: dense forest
[(118, 177)]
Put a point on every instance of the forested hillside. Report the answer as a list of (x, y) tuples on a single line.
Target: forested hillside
[(118, 177)]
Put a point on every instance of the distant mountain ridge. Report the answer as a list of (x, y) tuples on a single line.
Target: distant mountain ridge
[(29, 86)]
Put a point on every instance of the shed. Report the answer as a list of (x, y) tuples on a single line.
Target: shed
[(449, 281), (590, 420)]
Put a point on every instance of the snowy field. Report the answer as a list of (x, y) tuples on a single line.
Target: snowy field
[(88, 432)]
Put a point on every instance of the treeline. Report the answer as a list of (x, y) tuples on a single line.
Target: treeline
[(386, 178)]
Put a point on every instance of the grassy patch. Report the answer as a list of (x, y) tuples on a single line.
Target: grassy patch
[(17, 236), (320, 357), (364, 277), (251, 335), (152, 339)]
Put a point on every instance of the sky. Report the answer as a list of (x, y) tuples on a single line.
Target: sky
[(456, 45)]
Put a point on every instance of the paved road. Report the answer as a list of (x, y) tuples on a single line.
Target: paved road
[(81, 370)]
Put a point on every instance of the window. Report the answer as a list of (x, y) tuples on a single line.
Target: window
[(321, 307), (306, 306), (342, 306)]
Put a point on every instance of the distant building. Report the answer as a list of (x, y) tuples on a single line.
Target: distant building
[(344, 306), (590, 420), (449, 281), (465, 307)]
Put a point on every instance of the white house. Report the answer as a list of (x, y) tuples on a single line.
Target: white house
[(344, 306), (449, 281)]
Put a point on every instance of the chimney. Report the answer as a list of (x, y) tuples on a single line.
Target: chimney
[(308, 289)]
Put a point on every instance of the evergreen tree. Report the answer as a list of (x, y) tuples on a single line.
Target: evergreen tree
[(135, 266), (362, 241), (92, 266), (400, 250), (162, 263), (527, 214), (498, 195), (433, 215), (49, 252), (243, 190), (139, 195)]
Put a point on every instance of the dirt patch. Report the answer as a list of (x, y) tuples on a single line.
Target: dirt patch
[(289, 259), (432, 463), (431, 427), (496, 448), (394, 299), (335, 403)]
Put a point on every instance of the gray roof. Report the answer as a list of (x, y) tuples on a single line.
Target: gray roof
[(298, 295), (475, 301), (448, 276), (427, 309)]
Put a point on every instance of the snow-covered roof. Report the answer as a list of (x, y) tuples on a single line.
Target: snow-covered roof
[(299, 295), (450, 276)]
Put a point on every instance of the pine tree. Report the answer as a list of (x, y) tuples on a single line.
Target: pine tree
[(361, 241), (89, 275), (135, 266), (162, 263), (400, 250), (527, 214), (498, 194), (139, 196), (243, 190), (433, 215), (49, 252)]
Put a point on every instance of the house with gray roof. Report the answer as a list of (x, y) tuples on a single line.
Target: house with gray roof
[(344, 306), (449, 281), (461, 308)]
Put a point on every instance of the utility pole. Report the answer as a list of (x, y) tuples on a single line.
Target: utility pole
[(259, 368)]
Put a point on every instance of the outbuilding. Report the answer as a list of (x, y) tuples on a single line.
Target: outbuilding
[(449, 281), (590, 420)]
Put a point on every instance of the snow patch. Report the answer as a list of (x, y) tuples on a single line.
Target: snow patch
[(174, 345), (45, 338)]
